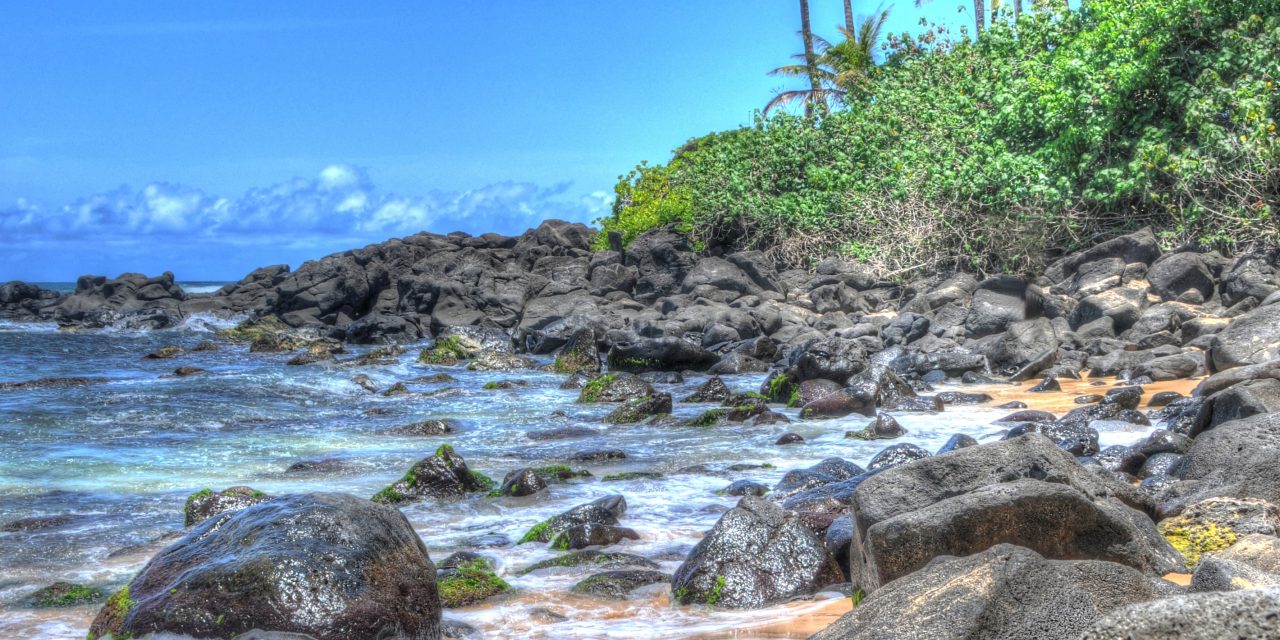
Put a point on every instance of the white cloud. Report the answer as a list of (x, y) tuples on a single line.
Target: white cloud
[(341, 202)]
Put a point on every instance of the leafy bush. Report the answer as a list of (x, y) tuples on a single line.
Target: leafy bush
[(1042, 135)]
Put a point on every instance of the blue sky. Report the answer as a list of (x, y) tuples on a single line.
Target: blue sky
[(211, 138)]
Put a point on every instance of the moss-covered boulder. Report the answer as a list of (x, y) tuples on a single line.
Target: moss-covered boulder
[(579, 354), (268, 334), (65, 594), (1216, 524), (615, 585), (464, 579), (605, 510), (443, 474), (560, 473), (206, 503), (447, 351), (780, 387), (639, 409), (593, 559), (320, 565), (615, 387)]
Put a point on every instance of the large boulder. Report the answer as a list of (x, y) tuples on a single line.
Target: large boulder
[(757, 554), (1025, 342), (997, 303), (1005, 592), (1182, 276), (1253, 338), (1252, 613), (1106, 265), (662, 258), (330, 566), (835, 359), (1243, 400), (1233, 460), (959, 499), (1251, 276), (1058, 521), (659, 354)]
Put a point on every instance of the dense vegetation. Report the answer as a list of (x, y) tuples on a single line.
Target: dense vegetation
[(1045, 133)]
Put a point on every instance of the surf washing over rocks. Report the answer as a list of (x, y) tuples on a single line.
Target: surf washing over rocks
[(456, 436)]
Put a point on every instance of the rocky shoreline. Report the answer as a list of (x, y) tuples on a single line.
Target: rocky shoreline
[(1042, 534)]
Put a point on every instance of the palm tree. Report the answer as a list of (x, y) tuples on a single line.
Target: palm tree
[(979, 13), (848, 15), (841, 69), (810, 58)]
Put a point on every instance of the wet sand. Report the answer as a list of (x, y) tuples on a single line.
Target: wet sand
[(1064, 401)]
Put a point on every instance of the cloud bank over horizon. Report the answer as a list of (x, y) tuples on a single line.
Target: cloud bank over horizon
[(199, 235)]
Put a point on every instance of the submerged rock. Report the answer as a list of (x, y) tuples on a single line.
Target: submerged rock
[(615, 585), (65, 594), (330, 566), (594, 559)]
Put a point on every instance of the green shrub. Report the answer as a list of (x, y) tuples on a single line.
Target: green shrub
[(1041, 136)]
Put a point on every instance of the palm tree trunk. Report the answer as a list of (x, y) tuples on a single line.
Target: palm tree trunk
[(811, 59), (980, 14), (1017, 9), (848, 15)]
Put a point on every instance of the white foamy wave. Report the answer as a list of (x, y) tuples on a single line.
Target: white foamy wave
[(201, 288), (7, 326), (209, 322)]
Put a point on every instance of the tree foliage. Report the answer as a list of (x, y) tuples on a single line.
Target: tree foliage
[(1045, 133)]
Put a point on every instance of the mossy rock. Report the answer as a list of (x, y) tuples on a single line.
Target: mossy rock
[(639, 409), (615, 387), (594, 559), (469, 583), (560, 473), (615, 585), (708, 418), (632, 475), (443, 474), (1215, 524), (447, 351), (780, 387), (64, 594), (579, 354), (111, 618), (207, 503)]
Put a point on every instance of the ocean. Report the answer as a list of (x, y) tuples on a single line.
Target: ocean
[(115, 460)]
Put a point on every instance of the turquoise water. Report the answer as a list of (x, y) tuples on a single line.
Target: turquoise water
[(121, 456)]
